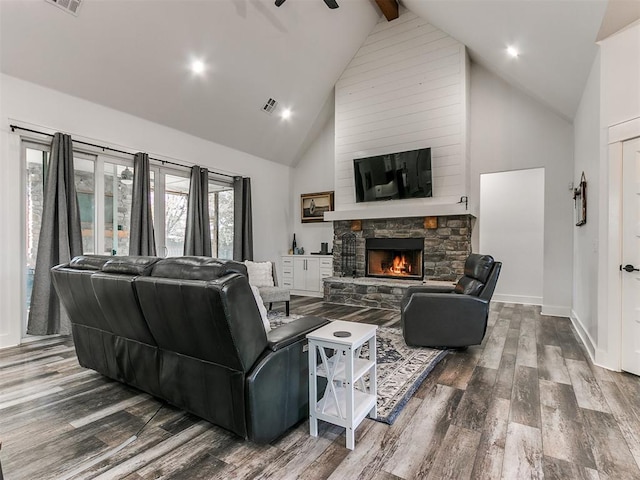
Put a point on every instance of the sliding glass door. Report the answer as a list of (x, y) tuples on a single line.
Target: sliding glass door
[(104, 186)]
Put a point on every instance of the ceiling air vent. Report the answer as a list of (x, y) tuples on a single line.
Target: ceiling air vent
[(69, 6), (270, 106)]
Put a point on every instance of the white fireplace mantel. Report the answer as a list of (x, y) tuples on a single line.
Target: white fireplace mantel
[(393, 210)]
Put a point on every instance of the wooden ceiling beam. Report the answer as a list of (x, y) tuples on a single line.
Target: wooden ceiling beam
[(389, 8)]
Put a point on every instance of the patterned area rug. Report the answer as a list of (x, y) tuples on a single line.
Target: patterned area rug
[(400, 369)]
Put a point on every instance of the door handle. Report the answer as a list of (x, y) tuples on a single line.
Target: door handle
[(629, 268)]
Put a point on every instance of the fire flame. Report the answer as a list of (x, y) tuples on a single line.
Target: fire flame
[(400, 266)]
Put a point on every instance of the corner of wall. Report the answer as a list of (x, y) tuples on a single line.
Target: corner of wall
[(582, 332)]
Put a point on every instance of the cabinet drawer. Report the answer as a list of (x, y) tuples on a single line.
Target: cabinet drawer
[(287, 262), (287, 283), (326, 262), (287, 271)]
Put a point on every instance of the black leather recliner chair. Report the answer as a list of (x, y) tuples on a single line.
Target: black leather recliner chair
[(188, 330), (432, 317)]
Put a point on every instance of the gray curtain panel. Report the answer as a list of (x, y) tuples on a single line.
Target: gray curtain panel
[(242, 219), (60, 239), (198, 235), (142, 240)]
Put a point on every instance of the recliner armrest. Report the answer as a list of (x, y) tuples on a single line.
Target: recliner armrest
[(445, 303), (409, 292), (292, 332), (431, 289)]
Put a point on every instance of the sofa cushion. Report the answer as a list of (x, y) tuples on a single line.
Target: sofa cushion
[(260, 273), (130, 265), (275, 294), (196, 268), (89, 262), (261, 308), (478, 266), (469, 286)]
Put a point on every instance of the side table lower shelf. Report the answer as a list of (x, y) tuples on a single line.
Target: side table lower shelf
[(327, 410)]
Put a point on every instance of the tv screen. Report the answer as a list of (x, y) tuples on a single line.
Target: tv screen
[(393, 176)]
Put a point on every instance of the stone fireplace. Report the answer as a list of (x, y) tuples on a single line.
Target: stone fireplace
[(394, 258), (445, 247), (442, 252)]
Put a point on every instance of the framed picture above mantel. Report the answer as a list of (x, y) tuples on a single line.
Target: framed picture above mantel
[(313, 206)]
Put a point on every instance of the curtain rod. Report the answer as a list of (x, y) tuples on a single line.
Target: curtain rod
[(16, 127)]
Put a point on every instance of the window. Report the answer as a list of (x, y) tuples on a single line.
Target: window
[(84, 166), (36, 159), (221, 220), (176, 196), (118, 198)]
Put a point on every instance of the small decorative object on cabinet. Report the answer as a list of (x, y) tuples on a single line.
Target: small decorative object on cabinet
[(313, 206), (347, 398), (580, 201)]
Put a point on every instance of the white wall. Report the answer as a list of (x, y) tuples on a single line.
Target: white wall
[(512, 213), (587, 132), (404, 89), (621, 76), (314, 173), (28, 103), (511, 131)]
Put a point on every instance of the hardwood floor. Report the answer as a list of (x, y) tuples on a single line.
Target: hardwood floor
[(527, 403)]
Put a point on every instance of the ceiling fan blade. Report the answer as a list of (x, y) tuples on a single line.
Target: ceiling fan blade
[(331, 3), (279, 2)]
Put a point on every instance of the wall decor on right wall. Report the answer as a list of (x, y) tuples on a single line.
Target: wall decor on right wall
[(580, 201)]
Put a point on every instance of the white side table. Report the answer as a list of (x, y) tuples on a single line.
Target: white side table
[(346, 400)]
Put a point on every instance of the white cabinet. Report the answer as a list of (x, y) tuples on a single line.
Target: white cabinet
[(303, 274)]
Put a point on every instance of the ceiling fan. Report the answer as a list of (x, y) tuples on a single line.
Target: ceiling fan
[(389, 7), (330, 3)]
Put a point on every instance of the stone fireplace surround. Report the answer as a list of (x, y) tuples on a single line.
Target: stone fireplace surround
[(445, 250)]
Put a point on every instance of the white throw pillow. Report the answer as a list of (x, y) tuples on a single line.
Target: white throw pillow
[(261, 308), (260, 273)]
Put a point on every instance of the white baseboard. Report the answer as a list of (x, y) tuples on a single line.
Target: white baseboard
[(587, 341), (525, 300), (555, 311), (8, 341)]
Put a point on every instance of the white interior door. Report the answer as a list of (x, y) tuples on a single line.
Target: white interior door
[(631, 256)]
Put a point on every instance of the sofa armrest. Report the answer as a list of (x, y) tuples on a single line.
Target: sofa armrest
[(292, 332), (277, 387)]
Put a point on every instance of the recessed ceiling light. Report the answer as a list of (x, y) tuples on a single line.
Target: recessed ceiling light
[(286, 113), (198, 67), (512, 52)]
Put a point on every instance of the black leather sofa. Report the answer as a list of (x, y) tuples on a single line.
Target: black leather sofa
[(431, 317), (188, 330)]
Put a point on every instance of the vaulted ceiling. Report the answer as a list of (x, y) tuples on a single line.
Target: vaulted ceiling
[(135, 56)]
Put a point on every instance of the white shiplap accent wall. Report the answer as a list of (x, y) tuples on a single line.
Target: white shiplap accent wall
[(406, 88)]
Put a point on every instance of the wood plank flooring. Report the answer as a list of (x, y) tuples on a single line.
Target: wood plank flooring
[(527, 403)]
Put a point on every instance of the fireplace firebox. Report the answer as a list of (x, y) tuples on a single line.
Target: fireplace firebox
[(395, 258)]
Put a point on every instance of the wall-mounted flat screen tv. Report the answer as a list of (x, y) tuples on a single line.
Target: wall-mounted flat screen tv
[(393, 176)]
